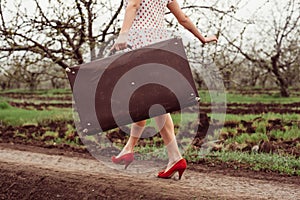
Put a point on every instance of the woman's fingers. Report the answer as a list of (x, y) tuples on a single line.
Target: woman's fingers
[(211, 39), (119, 46)]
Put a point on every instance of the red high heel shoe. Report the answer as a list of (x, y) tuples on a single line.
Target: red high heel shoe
[(126, 159), (179, 167)]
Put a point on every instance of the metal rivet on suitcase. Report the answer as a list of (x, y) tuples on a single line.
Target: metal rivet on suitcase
[(73, 72), (85, 130), (132, 83), (88, 124), (192, 94)]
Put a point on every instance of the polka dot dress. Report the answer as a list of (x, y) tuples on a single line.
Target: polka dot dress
[(149, 25)]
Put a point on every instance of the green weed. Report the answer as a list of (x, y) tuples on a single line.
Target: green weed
[(17, 116), (4, 105), (260, 98), (278, 163), (290, 134)]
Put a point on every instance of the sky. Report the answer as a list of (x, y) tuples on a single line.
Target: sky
[(246, 11)]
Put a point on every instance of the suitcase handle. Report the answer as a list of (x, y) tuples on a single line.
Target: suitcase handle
[(112, 52)]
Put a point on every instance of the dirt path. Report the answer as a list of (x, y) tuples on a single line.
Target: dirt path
[(32, 175)]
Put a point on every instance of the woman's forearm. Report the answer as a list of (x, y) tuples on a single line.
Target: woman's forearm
[(189, 25), (130, 14), (185, 21)]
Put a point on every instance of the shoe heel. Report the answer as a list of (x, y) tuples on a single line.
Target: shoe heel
[(125, 159), (180, 172), (126, 164)]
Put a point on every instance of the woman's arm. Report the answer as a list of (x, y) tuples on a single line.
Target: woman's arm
[(185, 21), (130, 14)]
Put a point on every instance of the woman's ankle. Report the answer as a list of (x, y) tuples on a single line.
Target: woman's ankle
[(174, 160), (125, 151)]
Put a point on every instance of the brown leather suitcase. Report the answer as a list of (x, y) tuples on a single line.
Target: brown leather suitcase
[(132, 86)]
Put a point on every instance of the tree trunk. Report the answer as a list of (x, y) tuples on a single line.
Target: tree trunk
[(3, 85), (33, 81), (32, 86), (284, 91), (280, 79)]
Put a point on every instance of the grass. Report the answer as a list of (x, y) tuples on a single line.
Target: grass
[(38, 92), (149, 152), (271, 162), (264, 117), (292, 134), (239, 98), (17, 116), (50, 133), (262, 133), (4, 105), (57, 93), (35, 101), (246, 138), (261, 98), (284, 164), (205, 95), (261, 127), (184, 118)]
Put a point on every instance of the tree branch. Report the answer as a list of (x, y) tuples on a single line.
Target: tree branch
[(104, 32)]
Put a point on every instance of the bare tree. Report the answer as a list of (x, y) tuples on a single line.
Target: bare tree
[(68, 33), (212, 18), (275, 48), (64, 32)]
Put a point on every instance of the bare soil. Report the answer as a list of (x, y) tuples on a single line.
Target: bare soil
[(34, 168), (232, 108), (29, 172), (35, 134)]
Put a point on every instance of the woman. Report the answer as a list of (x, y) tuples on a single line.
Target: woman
[(144, 24)]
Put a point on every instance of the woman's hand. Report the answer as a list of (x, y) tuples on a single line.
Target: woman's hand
[(210, 39), (185, 21), (130, 14), (121, 42)]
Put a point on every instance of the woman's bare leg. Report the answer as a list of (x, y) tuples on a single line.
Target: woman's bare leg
[(135, 133), (166, 127)]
